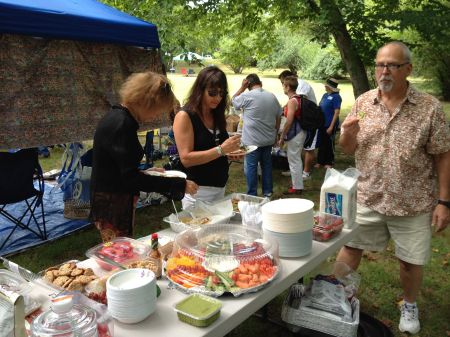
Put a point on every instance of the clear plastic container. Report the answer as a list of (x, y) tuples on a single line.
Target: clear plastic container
[(216, 259), (198, 310), (65, 319), (327, 226), (121, 250), (13, 282)]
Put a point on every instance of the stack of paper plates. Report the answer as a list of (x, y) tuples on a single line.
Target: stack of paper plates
[(290, 222), (291, 244)]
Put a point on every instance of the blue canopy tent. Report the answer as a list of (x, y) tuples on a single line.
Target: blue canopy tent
[(61, 65), (85, 20)]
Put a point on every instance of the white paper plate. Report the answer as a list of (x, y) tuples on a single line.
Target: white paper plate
[(170, 173), (250, 148)]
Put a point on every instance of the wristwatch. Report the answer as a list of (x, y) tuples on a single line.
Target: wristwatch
[(445, 203)]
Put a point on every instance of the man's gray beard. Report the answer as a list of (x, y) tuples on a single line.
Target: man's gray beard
[(386, 86)]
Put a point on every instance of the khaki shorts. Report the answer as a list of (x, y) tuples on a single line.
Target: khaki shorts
[(411, 234)]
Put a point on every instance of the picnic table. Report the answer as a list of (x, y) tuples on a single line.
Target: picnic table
[(164, 321)]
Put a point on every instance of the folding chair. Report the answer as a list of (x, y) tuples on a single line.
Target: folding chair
[(17, 173)]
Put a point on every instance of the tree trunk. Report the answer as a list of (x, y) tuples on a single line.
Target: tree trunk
[(349, 55)]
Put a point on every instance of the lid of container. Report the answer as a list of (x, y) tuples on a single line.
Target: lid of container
[(64, 317), (61, 305)]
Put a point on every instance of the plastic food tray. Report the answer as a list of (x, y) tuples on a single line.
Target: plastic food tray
[(121, 250), (217, 259), (236, 197), (198, 310), (326, 226), (180, 226)]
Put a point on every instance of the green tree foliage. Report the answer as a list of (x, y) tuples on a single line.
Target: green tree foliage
[(425, 25), (303, 56), (358, 28), (235, 53), (179, 28)]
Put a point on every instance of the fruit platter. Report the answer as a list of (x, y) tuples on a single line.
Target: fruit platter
[(326, 226), (121, 250), (219, 259)]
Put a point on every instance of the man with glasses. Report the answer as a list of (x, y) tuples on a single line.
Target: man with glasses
[(261, 120), (401, 141)]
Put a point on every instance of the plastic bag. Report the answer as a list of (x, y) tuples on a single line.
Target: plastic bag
[(338, 194), (74, 180), (251, 214)]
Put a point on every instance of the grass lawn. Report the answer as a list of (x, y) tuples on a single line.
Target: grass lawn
[(380, 287)]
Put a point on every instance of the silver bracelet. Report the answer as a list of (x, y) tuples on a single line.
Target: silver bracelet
[(219, 150)]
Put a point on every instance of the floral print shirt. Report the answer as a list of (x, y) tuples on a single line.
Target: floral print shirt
[(395, 152)]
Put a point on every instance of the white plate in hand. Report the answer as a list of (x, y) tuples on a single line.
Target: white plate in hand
[(240, 152), (168, 174)]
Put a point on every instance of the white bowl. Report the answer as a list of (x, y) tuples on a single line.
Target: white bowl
[(131, 281)]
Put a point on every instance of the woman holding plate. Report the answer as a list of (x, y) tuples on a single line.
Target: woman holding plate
[(202, 140), (117, 153)]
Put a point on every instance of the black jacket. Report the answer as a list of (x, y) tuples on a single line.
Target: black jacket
[(116, 156)]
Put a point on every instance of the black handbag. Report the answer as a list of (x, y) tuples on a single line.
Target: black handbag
[(175, 163)]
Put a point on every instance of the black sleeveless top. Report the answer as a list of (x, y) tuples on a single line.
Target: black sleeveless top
[(214, 173)]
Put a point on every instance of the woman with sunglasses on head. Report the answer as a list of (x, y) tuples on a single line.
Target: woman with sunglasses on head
[(117, 153), (201, 136)]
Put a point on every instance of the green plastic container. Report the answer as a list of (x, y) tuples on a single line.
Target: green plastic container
[(198, 310)]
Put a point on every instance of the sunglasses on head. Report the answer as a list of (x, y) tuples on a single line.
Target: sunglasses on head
[(215, 92), (166, 88)]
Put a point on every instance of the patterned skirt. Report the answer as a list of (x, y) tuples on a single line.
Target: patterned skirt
[(113, 214)]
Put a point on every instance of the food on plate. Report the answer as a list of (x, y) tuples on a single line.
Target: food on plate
[(254, 268), (361, 115), (242, 150), (195, 221), (69, 276), (235, 202)]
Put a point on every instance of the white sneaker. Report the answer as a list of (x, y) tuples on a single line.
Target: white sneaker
[(286, 173), (409, 319), (306, 175)]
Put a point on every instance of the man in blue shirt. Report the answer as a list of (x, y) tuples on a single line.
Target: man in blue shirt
[(261, 120)]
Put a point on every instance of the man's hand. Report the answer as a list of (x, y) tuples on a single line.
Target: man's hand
[(349, 131), (244, 84), (441, 217), (351, 126)]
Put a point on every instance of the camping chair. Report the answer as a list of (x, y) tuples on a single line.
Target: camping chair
[(17, 173)]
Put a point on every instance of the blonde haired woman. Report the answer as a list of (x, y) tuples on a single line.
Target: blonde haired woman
[(117, 152)]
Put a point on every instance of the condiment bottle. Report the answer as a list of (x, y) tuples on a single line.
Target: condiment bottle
[(155, 253)]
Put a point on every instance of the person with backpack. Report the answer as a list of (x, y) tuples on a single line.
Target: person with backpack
[(305, 89), (331, 106), (294, 135)]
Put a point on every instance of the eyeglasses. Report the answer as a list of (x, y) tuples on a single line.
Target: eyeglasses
[(215, 92), (390, 66)]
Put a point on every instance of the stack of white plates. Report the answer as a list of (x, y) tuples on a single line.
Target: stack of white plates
[(131, 295), (290, 222)]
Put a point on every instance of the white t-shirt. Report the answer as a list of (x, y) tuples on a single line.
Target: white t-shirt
[(305, 89)]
